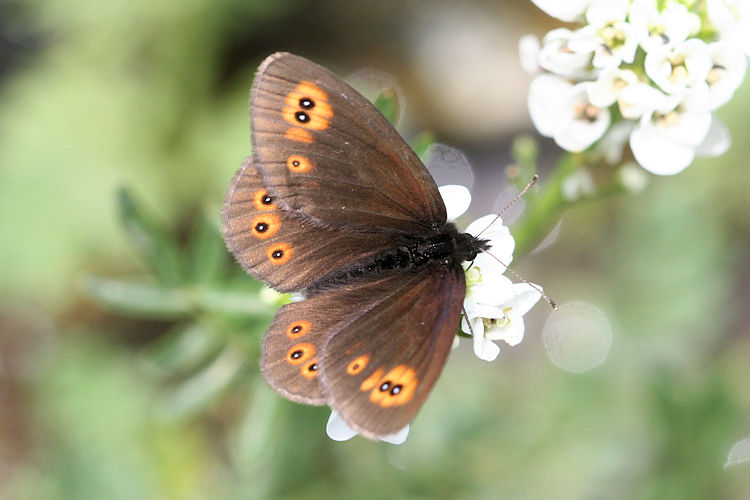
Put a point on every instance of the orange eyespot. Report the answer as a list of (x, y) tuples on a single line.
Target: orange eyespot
[(358, 364), (264, 226), (299, 135), (372, 380), (298, 329), (310, 369), (298, 354), (395, 388), (297, 163), (280, 253), (263, 201), (307, 106)]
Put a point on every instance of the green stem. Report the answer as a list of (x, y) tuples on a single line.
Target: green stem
[(543, 209)]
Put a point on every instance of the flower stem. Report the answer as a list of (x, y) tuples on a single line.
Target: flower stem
[(543, 209)]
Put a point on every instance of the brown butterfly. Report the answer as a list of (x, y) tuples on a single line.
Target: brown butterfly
[(333, 203)]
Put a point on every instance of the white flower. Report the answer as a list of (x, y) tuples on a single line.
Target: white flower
[(502, 322), (566, 10), (665, 144), (681, 68), (608, 35), (494, 305), (728, 66), (557, 57), (654, 29), (338, 430), (563, 111), (732, 19)]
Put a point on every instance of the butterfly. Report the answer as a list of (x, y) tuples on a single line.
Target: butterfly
[(334, 204)]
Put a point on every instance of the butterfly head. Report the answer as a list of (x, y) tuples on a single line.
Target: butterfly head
[(466, 247)]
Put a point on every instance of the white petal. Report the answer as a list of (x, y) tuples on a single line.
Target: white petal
[(457, 199), (683, 127), (512, 333), (528, 53), (545, 102), (492, 290), (601, 12), (614, 141), (398, 437), (568, 11), (657, 154), (640, 98), (525, 297), (604, 91), (485, 349), (337, 429), (717, 140)]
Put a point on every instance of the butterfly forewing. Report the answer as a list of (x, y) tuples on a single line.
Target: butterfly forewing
[(272, 244), (327, 152)]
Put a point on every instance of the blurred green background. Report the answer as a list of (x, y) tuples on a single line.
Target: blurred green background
[(121, 124)]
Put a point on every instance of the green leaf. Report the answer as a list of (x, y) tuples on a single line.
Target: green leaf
[(184, 348), (201, 389), (138, 298), (208, 254), (388, 104), (150, 240), (422, 142)]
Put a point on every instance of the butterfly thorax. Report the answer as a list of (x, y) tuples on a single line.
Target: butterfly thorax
[(446, 247)]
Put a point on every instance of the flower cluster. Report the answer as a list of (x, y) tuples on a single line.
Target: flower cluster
[(494, 306), (649, 73)]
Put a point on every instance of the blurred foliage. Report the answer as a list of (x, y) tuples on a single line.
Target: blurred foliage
[(129, 340)]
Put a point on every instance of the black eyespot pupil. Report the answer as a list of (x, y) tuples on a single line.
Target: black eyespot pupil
[(313, 367), (297, 354), (385, 386), (306, 103), (267, 200), (296, 329), (295, 163), (302, 117), (396, 389), (277, 254), (261, 227), (355, 367)]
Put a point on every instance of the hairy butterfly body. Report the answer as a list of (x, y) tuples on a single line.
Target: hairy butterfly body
[(335, 204)]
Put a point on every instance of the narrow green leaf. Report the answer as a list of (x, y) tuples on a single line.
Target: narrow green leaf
[(201, 389), (138, 298), (150, 240), (208, 254), (184, 348)]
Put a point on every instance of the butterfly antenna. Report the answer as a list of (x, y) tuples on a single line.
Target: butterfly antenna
[(506, 207), (466, 315), (546, 297)]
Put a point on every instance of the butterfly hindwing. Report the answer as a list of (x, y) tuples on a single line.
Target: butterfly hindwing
[(378, 371), (328, 153), (396, 329), (274, 245)]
